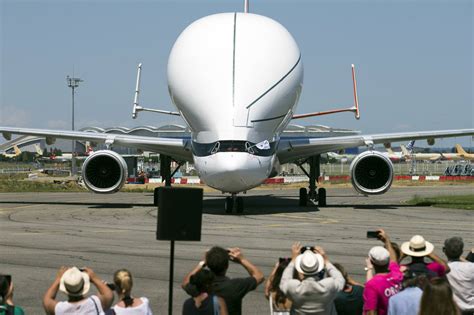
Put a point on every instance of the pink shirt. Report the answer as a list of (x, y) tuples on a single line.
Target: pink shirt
[(380, 288)]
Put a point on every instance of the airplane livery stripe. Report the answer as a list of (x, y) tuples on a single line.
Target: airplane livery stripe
[(266, 119), (274, 85)]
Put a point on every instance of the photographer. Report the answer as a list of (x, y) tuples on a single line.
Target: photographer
[(6, 294), (387, 280), (313, 292), (231, 290), (75, 283)]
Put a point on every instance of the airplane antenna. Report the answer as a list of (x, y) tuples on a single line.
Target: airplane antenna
[(137, 108), (246, 6), (354, 109)]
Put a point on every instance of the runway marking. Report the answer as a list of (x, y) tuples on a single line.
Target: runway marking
[(20, 207), (297, 217)]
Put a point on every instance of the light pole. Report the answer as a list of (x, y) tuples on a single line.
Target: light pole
[(73, 83)]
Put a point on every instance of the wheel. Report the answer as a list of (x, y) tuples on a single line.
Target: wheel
[(240, 204), (155, 197), (303, 197), (229, 204), (322, 197)]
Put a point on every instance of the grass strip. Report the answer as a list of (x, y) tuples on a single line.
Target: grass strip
[(465, 202)]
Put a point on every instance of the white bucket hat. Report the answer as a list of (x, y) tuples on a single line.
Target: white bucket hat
[(309, 263), (74, 282), (417, 247)]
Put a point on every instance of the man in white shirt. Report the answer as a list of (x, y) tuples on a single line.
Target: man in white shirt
[(313, 292), (461, 276)]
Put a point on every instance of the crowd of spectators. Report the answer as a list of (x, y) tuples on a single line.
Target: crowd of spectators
[(400, 280)]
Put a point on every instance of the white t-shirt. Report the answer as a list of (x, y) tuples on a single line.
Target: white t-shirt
[(84, 307), (142, 309), (461, 279)]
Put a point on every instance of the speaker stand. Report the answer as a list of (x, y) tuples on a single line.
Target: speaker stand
[(170, 293)]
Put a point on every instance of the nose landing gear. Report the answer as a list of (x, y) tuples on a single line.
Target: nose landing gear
[(234, 203)]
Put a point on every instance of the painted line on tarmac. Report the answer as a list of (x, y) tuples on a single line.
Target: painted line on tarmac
[(307, 218), (20, 207)]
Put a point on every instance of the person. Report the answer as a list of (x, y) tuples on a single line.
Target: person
[(349, 301), (387, 279), (437, 299), (279, 303), (75, 283), (461, 276), (231, 290), (407, 301), (203, 302), (7, 307), (312, 292), (127, 304), (418, 248)]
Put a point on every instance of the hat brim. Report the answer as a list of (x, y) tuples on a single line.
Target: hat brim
[(320, 265), (85, 288), (405, 248)]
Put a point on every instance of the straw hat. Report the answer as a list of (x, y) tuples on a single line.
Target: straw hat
[(417, 247)]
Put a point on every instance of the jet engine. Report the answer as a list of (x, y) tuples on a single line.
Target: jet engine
[(371, 173), (104, 172)]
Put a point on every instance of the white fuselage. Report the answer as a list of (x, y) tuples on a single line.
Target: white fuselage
[(236, 79)]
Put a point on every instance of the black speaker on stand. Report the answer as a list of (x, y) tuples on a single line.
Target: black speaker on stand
[(179, 219)]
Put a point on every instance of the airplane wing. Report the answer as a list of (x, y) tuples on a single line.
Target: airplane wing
[(175, 147), (298, 148)]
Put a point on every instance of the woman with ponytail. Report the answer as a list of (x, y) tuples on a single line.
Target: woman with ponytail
[(128, 305), (6, 297)]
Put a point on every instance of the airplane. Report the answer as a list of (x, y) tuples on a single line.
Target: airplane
[(433, 157), (17, 151), (235, 79), (463, 153)]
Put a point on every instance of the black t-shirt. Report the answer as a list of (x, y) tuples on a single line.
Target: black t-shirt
[(350, 303), (233, 291), (206, 308)]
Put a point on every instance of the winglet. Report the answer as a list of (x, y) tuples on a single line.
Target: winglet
[(356, 99)]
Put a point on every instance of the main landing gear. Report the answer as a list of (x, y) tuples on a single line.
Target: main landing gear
[(234, 203), (312, 193), (166, 174)]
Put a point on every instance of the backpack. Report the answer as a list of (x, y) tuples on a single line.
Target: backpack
[(7, 309)]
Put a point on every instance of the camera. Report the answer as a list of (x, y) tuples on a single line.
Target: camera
[(111, 286), (372, 234), (305, 248)]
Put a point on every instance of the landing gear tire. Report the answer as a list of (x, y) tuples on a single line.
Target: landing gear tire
[(229, 204), (322, 197), (155, 197), (240, 204), (303, 197)]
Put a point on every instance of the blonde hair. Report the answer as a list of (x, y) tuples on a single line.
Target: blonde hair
[(124, 282)]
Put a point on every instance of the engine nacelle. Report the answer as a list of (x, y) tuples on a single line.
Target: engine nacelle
[(104, 172), (371, 173)]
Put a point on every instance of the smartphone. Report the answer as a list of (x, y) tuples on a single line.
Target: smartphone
[(111, 286), (372, 234), (305, 248)]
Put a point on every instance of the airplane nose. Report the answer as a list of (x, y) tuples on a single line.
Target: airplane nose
[(233, 171)]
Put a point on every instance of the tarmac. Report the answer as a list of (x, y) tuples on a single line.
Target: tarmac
[(41, 231)]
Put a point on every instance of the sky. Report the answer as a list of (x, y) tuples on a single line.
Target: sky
[(414, 60)]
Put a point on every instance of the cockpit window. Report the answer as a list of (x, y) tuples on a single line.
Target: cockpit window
[(205, 149)]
